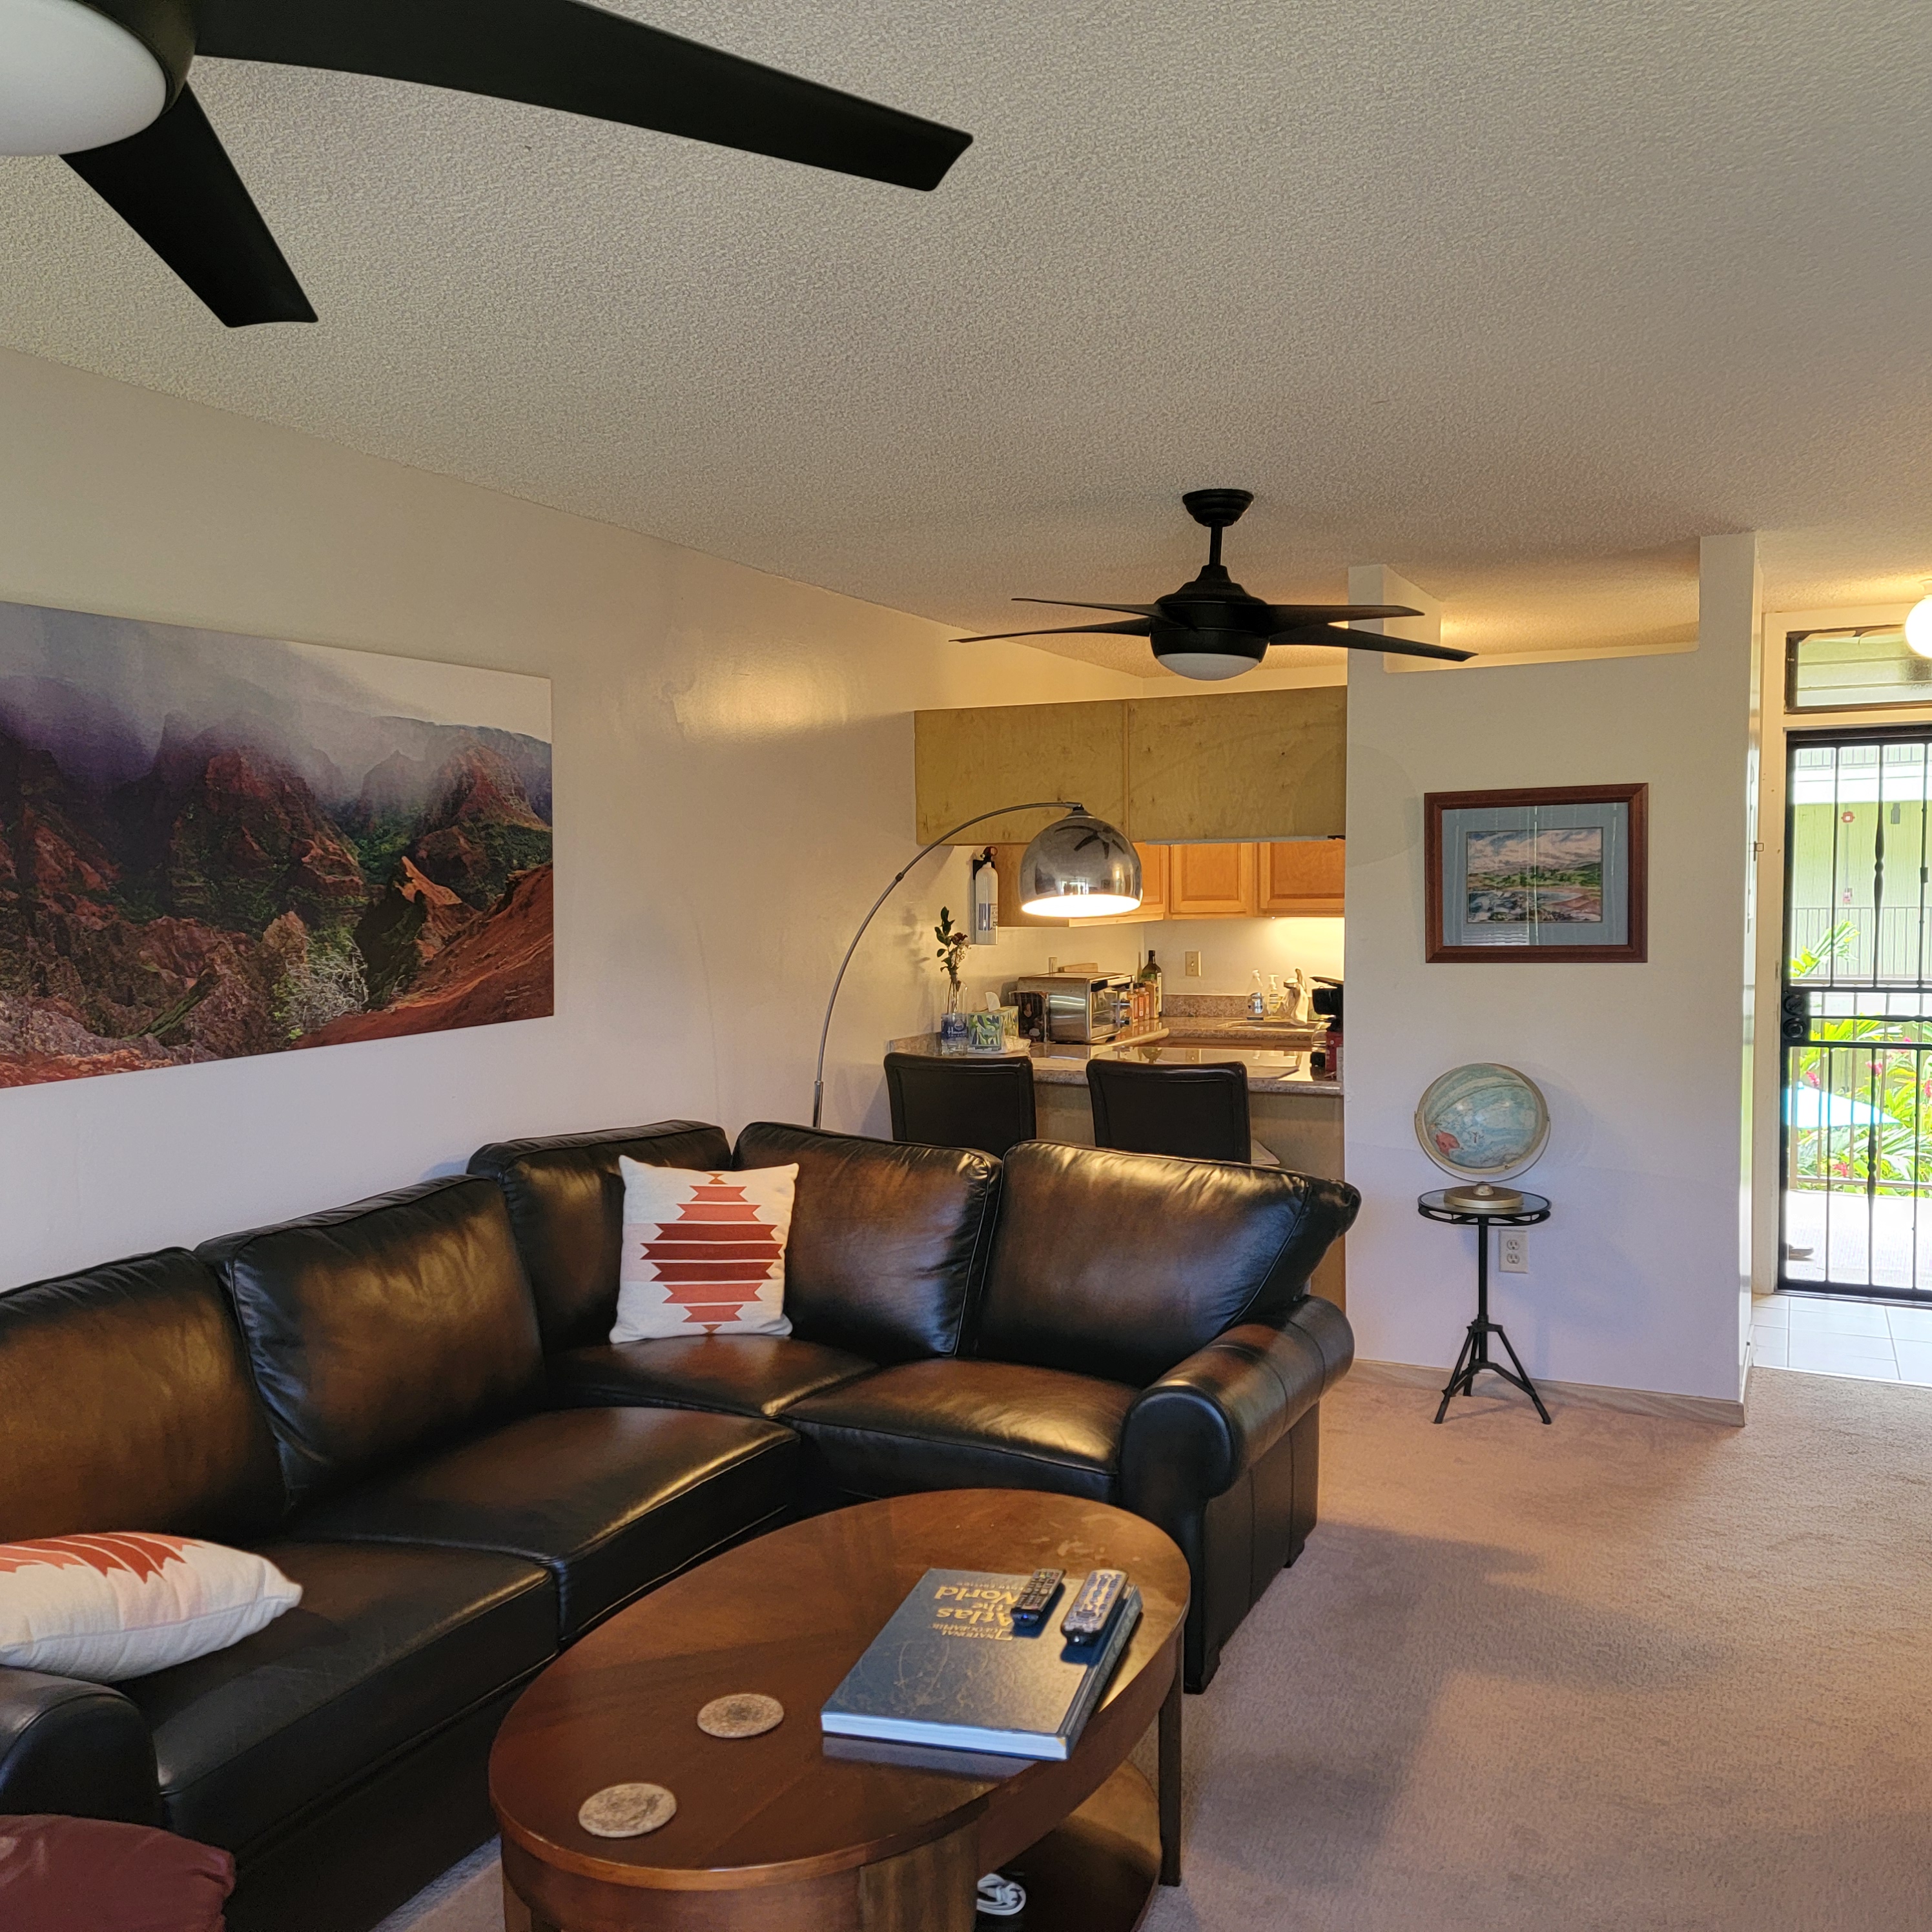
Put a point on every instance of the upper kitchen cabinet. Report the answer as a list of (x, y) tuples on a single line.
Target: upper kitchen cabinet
[(1303, 878), (990, 756), (1153, 890), (1236, 768), (1212, 882), (1244, 765), (1154, 869)]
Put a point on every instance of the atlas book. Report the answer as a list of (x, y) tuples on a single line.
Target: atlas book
[(950, 1670)]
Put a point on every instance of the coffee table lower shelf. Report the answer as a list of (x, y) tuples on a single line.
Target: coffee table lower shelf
[(1095, 1872)]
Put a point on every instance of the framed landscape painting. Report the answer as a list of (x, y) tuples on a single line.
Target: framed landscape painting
[(213, 846), (1558, 873)]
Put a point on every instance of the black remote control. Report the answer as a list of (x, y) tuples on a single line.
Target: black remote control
[(1094, 1609), (1030, 1607)]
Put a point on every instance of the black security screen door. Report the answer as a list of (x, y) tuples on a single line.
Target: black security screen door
[(1857, 1015)]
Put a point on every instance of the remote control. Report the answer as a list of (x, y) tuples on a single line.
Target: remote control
[(1094, 1609), (1030, 1607)]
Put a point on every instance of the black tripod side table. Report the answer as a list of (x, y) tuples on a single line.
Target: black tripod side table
[(1475, 1355)]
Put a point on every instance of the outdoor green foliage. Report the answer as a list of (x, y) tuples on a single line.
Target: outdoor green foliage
[(1839, 942)]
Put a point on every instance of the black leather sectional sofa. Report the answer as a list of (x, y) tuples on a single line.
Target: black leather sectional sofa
[(409, 1405)]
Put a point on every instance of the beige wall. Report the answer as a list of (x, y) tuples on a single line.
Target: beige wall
[(1636, 1281), (733, 785)]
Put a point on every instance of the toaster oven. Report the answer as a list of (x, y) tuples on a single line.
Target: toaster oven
[(1078, 1008)]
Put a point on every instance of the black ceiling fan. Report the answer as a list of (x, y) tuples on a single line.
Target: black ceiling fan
[(102, 83), (1212, 629)]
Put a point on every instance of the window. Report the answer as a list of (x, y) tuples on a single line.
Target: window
[(1853, 669)]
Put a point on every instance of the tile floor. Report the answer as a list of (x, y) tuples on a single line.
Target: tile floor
[(1829, 1337)]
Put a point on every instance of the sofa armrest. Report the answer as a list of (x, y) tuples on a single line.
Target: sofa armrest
[(73, 1747), (1191, 1435)]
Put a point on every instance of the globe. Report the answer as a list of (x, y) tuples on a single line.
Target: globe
[(1483, 1122)]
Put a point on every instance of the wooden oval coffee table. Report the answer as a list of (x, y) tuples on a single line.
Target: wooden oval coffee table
[(776, 1833)]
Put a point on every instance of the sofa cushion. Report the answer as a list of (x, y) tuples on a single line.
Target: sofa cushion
[(704, 1252), (64, 1874), (1123, 1265), (113, 1604), (954, 1425), (566, 1205), (609, 1500), (387, 1646), (736, 1374), (378, 1330), (125, 1403), (886, 1240)]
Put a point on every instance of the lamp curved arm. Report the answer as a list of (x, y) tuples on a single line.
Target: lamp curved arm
[(945, 837)]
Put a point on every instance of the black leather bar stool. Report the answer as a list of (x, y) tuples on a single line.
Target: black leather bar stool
[(1201, 1112), (954, 1102)]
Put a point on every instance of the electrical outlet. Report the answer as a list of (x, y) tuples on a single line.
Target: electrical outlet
[(1190, 965), (1513, 1250)]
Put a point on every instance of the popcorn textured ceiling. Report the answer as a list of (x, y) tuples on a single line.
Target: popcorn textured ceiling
[(1520, 299)]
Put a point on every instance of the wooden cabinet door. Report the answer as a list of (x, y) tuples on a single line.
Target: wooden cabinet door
[(1237, 764), (980, 759), (1212, 882), (1304, 877), (1153, 892), (1007, 863)]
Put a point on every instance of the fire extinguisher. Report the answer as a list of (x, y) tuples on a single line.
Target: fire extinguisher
[(986, 900)]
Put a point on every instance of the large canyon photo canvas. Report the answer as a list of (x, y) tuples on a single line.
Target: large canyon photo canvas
[(213, 846)]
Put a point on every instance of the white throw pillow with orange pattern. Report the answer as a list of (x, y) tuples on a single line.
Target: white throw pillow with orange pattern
[(704, 1252), (109, 1606)]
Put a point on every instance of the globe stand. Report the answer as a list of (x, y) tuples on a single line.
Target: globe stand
[(1474, 1356)]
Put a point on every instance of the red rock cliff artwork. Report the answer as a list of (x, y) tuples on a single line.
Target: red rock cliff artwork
[(213, 846)]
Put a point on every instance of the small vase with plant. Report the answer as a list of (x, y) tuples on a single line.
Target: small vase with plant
[(953, 942)]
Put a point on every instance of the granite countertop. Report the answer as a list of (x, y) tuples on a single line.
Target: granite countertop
[(1271, 1069)]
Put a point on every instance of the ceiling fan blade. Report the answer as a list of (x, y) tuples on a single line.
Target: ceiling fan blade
[(581, 60), (175, 186), (1137, 627), (1067, 604), (1336, 614), (1367, 640)]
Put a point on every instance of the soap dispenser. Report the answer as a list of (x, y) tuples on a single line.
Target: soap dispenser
[(1257, 998)]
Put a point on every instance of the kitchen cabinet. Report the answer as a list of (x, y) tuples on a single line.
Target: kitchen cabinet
[(1298, 878), (1242, 765), (1006, 861), (983, 757), (1302, 878), (1153, 890), (1213, 881), (1238, 767), (1156, 863)]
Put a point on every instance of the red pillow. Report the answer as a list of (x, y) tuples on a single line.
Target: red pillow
[(61, 1874)]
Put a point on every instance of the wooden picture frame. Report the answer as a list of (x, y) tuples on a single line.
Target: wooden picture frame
[(1549, 863)]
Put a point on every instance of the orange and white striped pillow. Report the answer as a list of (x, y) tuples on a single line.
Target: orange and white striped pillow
[(703, 1253), (109, 1606)]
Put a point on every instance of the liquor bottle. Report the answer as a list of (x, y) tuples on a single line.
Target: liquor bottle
[(1150, 978)]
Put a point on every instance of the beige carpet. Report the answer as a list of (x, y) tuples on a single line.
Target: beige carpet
[(1618, 1673)]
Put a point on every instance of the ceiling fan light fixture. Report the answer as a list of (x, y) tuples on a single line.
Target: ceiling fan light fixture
[(71, 79), (1206, 653)]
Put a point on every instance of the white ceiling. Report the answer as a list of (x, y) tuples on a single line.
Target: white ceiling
[(1518, 298)]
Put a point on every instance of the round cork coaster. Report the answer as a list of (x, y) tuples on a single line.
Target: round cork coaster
[(626, 1810), (745, 1715)]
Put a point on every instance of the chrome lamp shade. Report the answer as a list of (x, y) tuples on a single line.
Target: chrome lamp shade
[(1080, 867)]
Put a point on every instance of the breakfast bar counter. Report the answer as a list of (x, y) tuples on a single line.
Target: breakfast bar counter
[(1292, 1112)]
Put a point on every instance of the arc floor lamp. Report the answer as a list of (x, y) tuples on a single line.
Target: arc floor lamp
[(1080, 867)]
